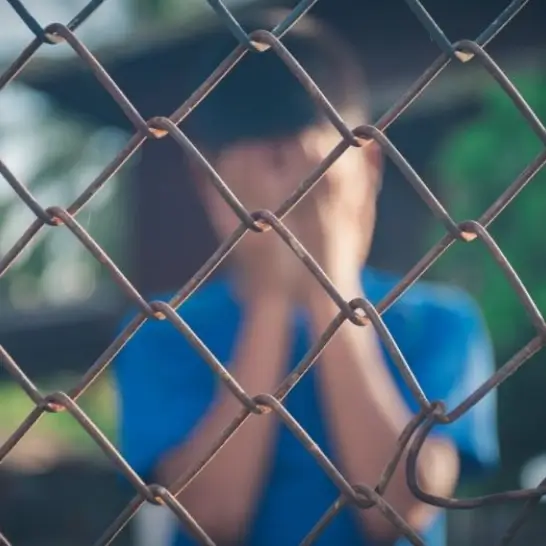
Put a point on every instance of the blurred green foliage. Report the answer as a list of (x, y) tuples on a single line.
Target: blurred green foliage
[(98, 402), (166, 12), (476, 163), (56, 157)]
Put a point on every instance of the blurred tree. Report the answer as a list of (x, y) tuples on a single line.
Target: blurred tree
[(476, 164), (56, 158), (146, 12)]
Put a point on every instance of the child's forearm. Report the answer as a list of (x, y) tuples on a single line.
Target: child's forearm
[(222, 496), (366, 415)]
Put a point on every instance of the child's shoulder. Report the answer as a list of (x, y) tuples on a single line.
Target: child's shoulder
[(430, 300), (211, 301)]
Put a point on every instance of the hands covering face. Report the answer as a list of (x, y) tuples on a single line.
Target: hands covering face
[(334, 221)]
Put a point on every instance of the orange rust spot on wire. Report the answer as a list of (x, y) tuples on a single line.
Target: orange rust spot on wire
[(158, 133), (55, 407), (468, 236), (464, 56)]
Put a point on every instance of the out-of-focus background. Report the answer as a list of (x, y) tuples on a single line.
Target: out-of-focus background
[(59, 309)]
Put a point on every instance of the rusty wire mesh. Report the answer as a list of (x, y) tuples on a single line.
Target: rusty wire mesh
[(358, 311)]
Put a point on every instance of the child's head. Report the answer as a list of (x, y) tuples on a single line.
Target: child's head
[(262, 131)]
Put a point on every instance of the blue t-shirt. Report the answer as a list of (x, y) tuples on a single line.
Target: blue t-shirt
[(440, 332)]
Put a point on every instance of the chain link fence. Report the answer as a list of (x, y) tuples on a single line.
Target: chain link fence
[(359, 311)]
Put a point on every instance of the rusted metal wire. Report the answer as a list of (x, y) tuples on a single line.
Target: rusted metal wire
[(431, 413)]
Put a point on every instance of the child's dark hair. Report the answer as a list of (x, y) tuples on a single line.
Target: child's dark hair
[(260, 98)]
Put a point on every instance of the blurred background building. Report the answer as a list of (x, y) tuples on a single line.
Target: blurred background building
[(59, 128)]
